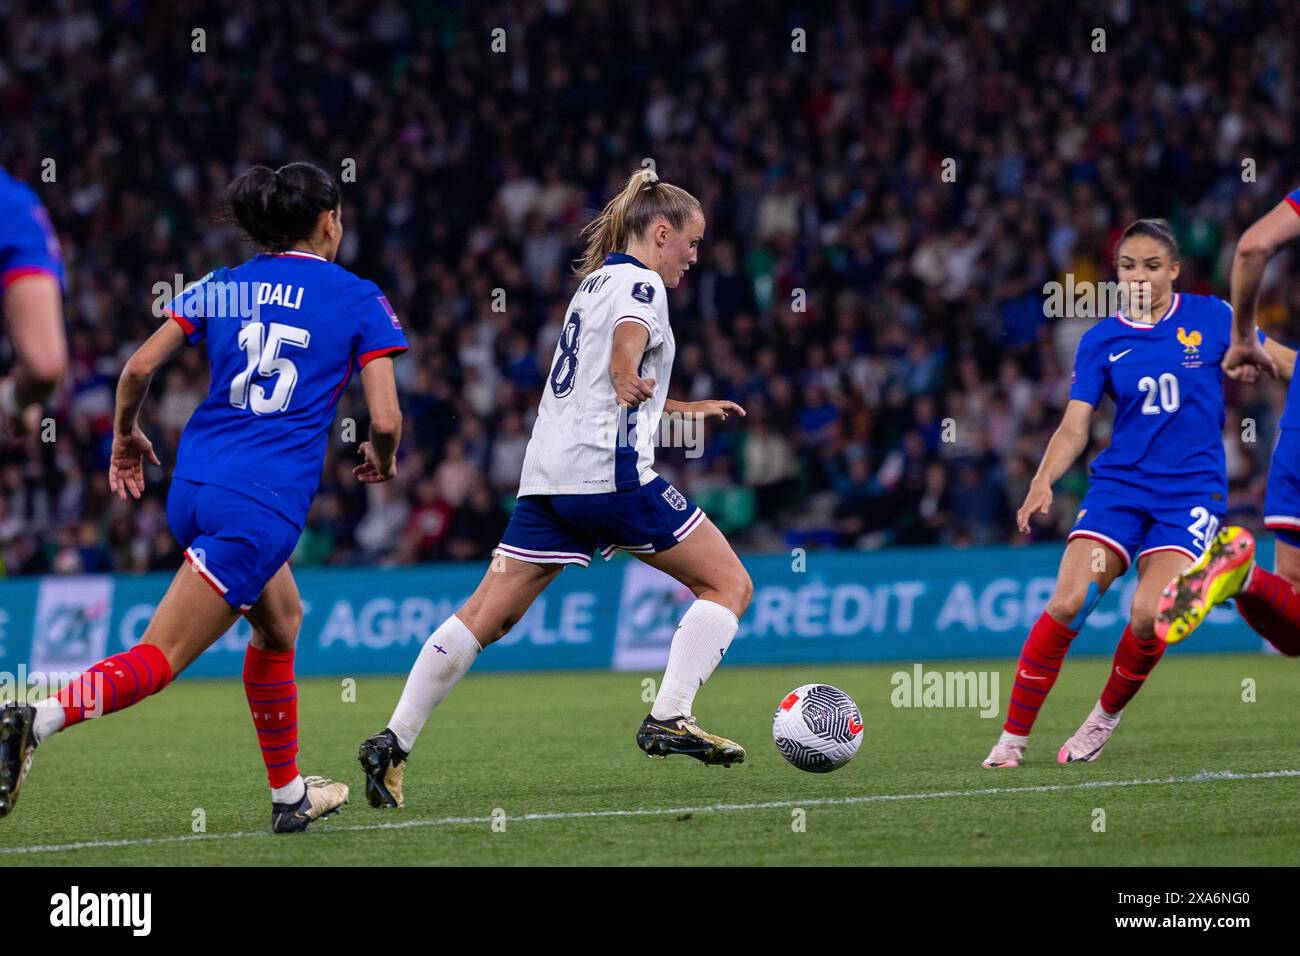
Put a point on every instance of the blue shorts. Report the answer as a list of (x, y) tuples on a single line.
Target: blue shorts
[(1133, 529), (1282, 496), (234, 542), (567, 529)]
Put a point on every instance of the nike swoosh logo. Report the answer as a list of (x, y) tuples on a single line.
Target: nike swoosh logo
[(1116, 358), (675, 731), (1031, 676), (1120, 672)]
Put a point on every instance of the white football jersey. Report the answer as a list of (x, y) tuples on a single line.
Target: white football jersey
[(580, 444)]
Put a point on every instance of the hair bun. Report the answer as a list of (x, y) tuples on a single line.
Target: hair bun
[(279, 207), (648, 176)]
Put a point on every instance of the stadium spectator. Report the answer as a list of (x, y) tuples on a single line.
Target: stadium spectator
[(851, 295)]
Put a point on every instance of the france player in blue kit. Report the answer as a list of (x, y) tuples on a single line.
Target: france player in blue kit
[(1157, 493), (31, 284), (1269, 601), (284, 332), (1167, 387)]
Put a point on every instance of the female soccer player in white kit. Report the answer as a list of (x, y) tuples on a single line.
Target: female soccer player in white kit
[(588, 484)]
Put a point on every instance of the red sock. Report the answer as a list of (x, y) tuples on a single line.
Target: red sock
[(273, 699), (115, 683), (1272, 607), (1040, 662), (1134, 660)]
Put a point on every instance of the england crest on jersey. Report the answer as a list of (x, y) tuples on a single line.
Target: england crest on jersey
[(675, 498)]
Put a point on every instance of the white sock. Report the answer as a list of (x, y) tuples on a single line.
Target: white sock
[(444, 659), (291, 792), (1105, 714), (49, 718), (702, 637), (1009, 738)]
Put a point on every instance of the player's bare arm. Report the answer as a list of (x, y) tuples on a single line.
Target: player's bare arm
[(630, 340), (380, 452), (34, 317), (130, 445), (1255, 248), (1283, 358), (1067, 443), (1241, 363), (708, 408), (1246, 357)]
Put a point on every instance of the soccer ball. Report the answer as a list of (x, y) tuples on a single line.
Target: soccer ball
[(817, 728)]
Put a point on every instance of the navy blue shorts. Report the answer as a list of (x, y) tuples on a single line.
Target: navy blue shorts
[(234, 542), (568, 529), (1133, 528), (1282, 496)]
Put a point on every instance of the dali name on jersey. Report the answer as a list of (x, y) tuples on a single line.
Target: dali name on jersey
[(582, 442)]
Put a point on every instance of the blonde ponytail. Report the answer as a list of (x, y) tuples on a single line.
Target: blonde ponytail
[(643, 200)]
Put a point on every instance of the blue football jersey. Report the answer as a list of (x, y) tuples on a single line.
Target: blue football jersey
[(284, 333), (1168, 391), (28, 244), (1291, 414)]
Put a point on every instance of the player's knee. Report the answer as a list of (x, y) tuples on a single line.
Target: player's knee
[(743, 592), (733, 591), (1065, 606), (283, 634), (1142, 622), (293, 622), (1142, 616), (1072, 603), (487, 629)]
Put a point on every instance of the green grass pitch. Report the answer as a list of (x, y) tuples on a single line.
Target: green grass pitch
[(554, 754)]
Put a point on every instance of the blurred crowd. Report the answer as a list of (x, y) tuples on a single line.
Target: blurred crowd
[(889, 186)]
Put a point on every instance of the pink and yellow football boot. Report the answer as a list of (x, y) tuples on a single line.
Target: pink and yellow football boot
[(1218, 575)]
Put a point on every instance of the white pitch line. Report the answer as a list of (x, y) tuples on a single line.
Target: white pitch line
[(1205, 776)]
